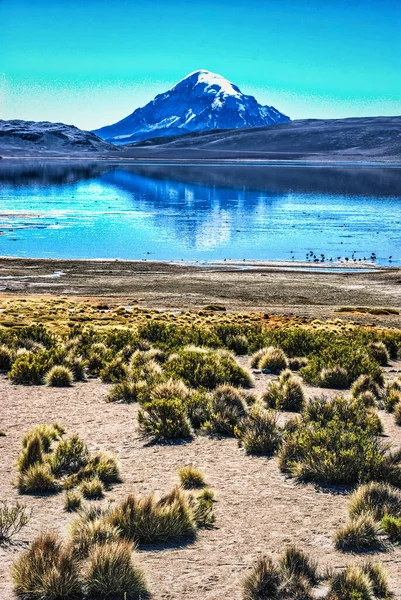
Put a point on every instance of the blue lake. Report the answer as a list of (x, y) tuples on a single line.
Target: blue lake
[(206, 213)]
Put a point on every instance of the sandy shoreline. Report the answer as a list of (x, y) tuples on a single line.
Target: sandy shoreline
[(283, 288)]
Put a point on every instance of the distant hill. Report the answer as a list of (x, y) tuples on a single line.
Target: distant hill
[(29, 138), (362, 139), (201, 101)]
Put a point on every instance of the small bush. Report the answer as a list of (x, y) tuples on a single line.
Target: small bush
[(12, 519), (378, 579), (203, 509), (47, 433), (59, 376), (392, 399), (92, 489), (285, 394), (6, 359), (104, 465), (114, 371), (359, 535), (30, 368), (77, 366), (335, 378), (227, 407), (296, 562), (88, 530), (31, 454), (351, 584), (317, 447), (37, 479), (262, 581), (376, 499), (69, 456), (111, 573), (164, 419), (238, 344), (274, 360), (297, 363), (127, 392), (391, 525), (199, 367), (73, 501), (47, 571), (191, 478), (147, 520), (258, 433), (380, 353), (365, 383), (172, 388)]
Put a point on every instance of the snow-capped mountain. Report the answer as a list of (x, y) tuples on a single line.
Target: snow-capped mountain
[(199, 102)]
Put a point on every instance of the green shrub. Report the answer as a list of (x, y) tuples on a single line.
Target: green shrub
[(150, 521), (6, 359), (317, 447), (59, 376), (351, 584), (198, 407), (30, 368), (203, 509), (365, 383), (104, 465), (392, 398), (200, 367), (173, 388), (47, 433), (378, 579), (336, 378), (262, 582), (127, 392), (359, 535), (73, 500), (111, 573), (227, 407), (164, 419), (31, 454), (88, 530), (12, 519), (114, 371), (297, 363), (380, 353), (191, 478), (376, 499), (37, 479), (273, 360), (295, 562), (391, 525), (237, 344), (285, 394), (92, 489), (69, 456), (47, 571), (258, 432), (77, 366)]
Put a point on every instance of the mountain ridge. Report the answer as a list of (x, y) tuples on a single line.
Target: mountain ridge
[(200, 101)]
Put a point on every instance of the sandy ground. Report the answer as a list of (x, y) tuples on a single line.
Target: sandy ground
[(288, 290), (258, 510)]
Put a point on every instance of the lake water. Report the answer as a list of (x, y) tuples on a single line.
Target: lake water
[(204, 213)]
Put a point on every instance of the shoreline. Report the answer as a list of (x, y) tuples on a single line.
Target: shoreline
[(307, 293), (252, 264), (256, 161)]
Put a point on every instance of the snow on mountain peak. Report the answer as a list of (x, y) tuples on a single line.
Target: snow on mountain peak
[(213, 83), (201, 101)]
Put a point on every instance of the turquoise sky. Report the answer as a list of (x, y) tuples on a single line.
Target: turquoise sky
[(91, 63)]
